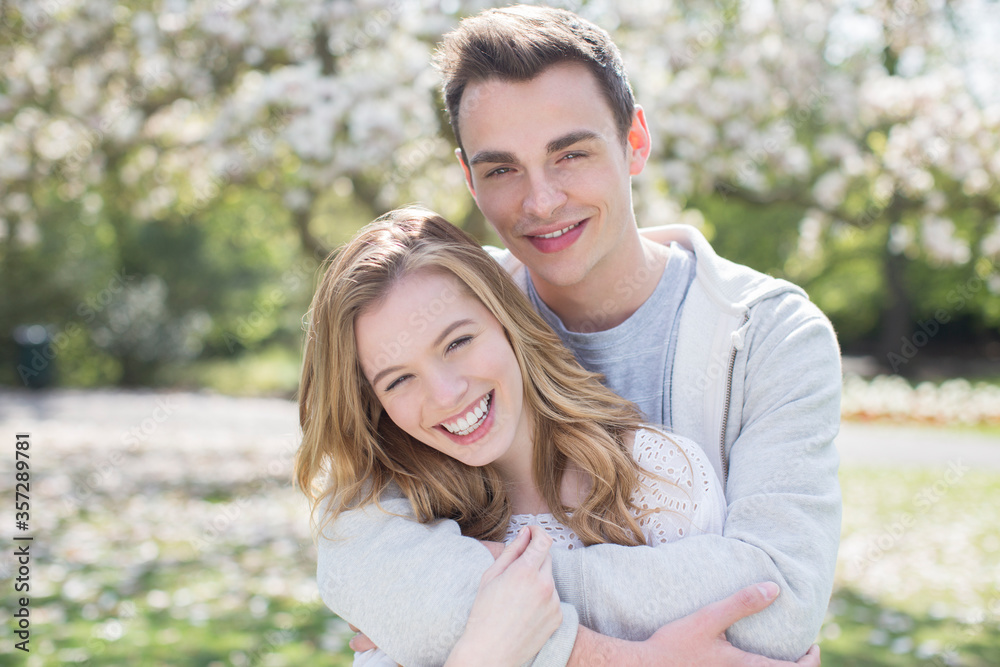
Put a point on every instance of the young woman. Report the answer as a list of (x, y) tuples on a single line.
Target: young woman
[(427, 370)]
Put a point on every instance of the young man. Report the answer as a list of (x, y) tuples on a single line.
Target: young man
[(549, 137)]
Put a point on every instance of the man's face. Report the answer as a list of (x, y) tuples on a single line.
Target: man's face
[(549, 170)]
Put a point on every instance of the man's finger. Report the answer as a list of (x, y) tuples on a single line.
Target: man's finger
[(361, 643), (495, 548), (744, 602), (811, 658)]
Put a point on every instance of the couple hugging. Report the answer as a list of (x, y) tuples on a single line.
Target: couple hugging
[(500, 445)]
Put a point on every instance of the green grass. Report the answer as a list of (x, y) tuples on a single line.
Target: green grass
[(917, 578), (138, 576)]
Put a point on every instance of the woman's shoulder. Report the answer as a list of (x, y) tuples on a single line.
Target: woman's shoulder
[(680, 487), (672, 456)]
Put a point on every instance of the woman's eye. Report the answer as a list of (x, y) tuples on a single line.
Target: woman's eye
[(397, 382), (459, 342)]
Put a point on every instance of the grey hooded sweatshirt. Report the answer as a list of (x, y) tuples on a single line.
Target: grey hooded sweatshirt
[(756, 382)]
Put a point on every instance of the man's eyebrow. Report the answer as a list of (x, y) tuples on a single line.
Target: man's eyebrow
[(554, 146), (437, 341), (568, 140), (491, 157)]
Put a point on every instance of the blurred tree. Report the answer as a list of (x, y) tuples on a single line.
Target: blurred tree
[(173, 170), (857, 119)]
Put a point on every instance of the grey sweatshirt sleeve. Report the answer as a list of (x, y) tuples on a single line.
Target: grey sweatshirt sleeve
[(783, 523), (410, 586)]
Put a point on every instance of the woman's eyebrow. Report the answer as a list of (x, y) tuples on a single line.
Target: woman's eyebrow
[(451, 327), (382, 373)]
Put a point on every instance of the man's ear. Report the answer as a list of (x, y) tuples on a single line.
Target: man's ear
[(639, 142), (468, 174)]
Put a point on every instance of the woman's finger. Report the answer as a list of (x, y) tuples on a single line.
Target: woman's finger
[(510, 553), (537, 551)]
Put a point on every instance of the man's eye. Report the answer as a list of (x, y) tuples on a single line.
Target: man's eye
[(499, 171), (459, 342)]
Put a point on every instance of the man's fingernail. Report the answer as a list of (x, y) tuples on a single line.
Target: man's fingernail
[(769, 590)]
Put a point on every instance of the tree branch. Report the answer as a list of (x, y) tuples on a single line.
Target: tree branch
[(312, 245)]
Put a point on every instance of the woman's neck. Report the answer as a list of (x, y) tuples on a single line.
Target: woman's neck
[(526, 498), (518, 479), (516, 468)]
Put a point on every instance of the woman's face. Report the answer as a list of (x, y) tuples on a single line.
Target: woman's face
[(445, 373)]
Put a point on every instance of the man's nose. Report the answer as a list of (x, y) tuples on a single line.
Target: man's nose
[(545, 195)]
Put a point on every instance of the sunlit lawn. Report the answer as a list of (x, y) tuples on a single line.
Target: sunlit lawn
[(194, 558), (918, 577)]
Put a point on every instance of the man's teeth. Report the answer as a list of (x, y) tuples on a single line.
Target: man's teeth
[(472, 420), (558, 233)]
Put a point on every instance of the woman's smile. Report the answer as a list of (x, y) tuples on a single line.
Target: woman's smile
[(472, 420)]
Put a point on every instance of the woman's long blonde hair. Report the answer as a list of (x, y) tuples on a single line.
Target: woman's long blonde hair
[(351, 450)]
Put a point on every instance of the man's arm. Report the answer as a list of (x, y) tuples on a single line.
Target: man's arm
[(697, 640), (411, 586), (784, 507)]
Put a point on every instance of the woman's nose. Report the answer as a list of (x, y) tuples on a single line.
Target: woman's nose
[(447, 389)]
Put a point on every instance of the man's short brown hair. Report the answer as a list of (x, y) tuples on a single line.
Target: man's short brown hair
[(518, 43)]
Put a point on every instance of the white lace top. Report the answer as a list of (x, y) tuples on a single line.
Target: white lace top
[(686, 490)]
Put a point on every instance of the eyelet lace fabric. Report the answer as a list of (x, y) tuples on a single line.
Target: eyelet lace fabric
[(682, 496)]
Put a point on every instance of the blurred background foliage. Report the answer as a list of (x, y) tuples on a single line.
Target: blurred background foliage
[(172, 172)]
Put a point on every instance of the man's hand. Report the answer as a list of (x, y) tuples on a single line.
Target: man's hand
[(360, 641), (697, 640), (700, 639), (495, 548)]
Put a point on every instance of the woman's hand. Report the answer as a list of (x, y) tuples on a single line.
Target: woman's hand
[(516, 609)]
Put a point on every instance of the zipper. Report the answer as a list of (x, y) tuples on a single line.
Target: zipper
[(725, 409)]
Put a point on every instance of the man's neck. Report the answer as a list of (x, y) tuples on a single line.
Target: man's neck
[(610, 293)]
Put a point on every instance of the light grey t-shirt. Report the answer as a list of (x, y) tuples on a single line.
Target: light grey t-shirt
[(635, 362)]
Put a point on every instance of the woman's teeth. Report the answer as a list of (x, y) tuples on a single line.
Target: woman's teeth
[(472, 420)]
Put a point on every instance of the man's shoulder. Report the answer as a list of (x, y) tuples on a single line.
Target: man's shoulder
[(731, 284), (512, 265), (501, 255), (742, 284)]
